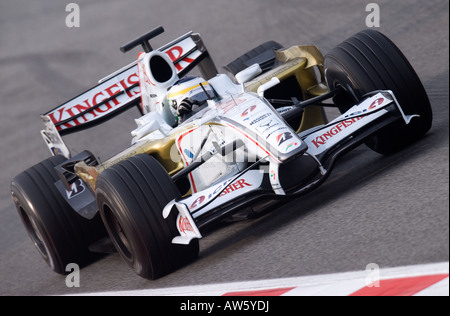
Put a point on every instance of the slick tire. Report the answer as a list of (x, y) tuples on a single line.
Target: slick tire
[(60, 235), (370, 61), (131, 196), (265, 50)]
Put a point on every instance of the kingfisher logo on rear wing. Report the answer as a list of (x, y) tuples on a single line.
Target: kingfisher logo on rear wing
[(117, 93), (120, 90)]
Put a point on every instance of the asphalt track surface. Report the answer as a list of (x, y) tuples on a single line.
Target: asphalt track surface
[(392, 211)]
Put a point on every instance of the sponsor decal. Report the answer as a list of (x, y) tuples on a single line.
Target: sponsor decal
[(283, 137), (189, 153), (56, 151), (372, 106), (90, 99), (291, 145), (75, 189), (276, 130), (376, 103), (266, 124), (248, 111), (269, 128), (176, 52), (239, 184), (185, 156), (235, 186), (335, 130), (184, 225), (198, 202), (182, 49), (112, 88), (273, 175), (260, 118), (229, 105), (285, 109)]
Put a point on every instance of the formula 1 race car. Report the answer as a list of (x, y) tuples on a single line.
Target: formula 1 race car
[(212, 147)]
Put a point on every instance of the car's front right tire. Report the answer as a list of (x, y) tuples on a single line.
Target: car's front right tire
[(370, 61)]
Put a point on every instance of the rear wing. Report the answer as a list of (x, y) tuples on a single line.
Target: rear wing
[(120, 90)]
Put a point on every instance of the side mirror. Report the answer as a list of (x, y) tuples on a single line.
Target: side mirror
[(248, 73), (266, 86)]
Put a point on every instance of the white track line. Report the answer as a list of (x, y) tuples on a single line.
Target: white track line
[(338, 284)]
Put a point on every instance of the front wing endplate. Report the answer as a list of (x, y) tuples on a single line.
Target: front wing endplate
[(185, 223)]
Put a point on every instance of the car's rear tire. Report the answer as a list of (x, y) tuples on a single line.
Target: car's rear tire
[(60, 235), (131, 196), (263, 54), (370, 61)]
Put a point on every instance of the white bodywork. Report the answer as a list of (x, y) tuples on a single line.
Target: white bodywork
[(233, 114), (237, 114)]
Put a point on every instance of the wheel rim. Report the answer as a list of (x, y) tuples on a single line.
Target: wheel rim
[(33, 231), (117, 234), (36, 236)]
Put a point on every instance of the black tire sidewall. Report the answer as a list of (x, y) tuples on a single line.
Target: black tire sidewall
[(28, 214), (138, 250), (135, 191), (65, 235), (370, 61)]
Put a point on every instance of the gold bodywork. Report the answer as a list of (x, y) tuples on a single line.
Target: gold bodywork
[(303, 62), (306, 64)]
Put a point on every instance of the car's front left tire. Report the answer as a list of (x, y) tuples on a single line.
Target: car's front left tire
[(131, 196)]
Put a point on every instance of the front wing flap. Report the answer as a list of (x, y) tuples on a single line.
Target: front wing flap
[(356, 118)]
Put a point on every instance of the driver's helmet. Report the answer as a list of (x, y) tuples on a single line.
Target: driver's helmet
[(189, 87)]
